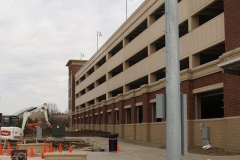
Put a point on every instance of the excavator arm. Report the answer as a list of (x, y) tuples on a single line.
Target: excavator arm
[(43, 109)]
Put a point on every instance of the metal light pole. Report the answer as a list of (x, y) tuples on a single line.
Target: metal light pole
[(172, 81), (98, 34), (126, 8)]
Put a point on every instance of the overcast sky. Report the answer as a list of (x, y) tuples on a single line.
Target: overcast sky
[(38, 37)]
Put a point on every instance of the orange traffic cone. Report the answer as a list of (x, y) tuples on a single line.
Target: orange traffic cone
[(51, 147), (118, 148), (31, 151), (9, 149), (44, 147), (60, 148), (70, 149), (42, 155), (1, 152)]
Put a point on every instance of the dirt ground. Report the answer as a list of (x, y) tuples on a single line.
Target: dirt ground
[(191, 149), (87, 133)]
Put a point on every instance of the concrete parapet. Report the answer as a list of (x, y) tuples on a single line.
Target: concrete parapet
[(37, 147), (66, 156)]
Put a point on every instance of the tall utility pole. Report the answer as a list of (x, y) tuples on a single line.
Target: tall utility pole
[(172, 81), (126, 9)]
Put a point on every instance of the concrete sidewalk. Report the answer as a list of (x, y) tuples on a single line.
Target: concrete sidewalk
[(134, 152)]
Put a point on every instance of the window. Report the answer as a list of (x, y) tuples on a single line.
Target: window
[(139, 114), (117, 117), (109, 118), (212, 105), (96, 119), (5, 122), (128, 116), (101, 118)]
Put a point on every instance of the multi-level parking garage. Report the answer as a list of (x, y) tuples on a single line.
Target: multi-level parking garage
[(115, 91)]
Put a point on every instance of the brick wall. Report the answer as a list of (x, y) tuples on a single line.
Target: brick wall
[(116, 129), (186, 88), (103, 127), (110, 128), (138, 99), (233, 136), (158, 133), (92, 127), (153, 94), (120, 105), (146, 108), (232, 24), (231, 95), (142, 132), (97, 127), (217, 132), (129, 131), (208, 80), (224, 132)]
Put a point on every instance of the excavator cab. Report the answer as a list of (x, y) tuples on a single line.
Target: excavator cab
[(10, 127), (10, 121)]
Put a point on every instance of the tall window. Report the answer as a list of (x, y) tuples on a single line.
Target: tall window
[(109, 118), (139, 114), (128, 116), (96, 119), (117, 117), (101, 118)]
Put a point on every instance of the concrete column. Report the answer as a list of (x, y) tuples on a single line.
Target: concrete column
[(96, 84), (108, 56), (125, 41), (125, 65), (151, 49), (125, 88), (150, 20), (95, 67), (151, 78), (194, 60), (109, 75), (96, 100), (109, 95), (193, 22)]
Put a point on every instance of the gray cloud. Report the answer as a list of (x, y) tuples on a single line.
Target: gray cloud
[(38, 37)]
